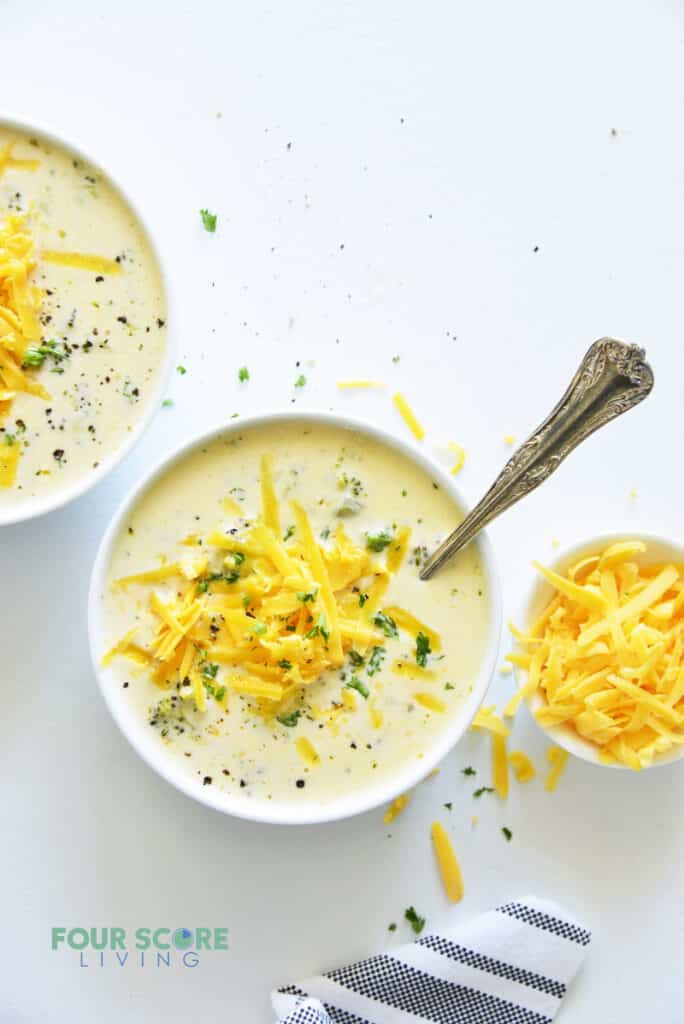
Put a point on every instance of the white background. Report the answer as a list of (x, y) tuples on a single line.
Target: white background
[(439, 143)]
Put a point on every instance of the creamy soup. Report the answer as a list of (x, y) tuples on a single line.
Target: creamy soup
[(265, 615), (82, 319)]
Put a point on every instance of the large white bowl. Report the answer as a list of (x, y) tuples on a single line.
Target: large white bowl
[(658, 549), (40, 506), (146, 742)]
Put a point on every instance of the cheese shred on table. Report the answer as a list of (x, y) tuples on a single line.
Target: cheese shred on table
[(408, 416), (288, 610), (449, 868), (606, 655)]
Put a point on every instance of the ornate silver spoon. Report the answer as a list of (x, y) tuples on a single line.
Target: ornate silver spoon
[(612, 377)]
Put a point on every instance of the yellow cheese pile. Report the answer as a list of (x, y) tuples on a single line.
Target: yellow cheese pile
[(278, 613), (606, 654), (20, 306)]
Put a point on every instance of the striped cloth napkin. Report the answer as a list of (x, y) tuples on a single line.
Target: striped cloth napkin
[(511, 965)]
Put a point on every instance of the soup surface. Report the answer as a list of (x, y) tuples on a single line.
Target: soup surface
[(82, 319), (264, 613)]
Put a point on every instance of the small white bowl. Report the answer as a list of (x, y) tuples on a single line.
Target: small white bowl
[(658, 549), (146, 743), (41, 506)]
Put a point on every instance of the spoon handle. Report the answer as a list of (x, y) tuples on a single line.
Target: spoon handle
[(612, 377)]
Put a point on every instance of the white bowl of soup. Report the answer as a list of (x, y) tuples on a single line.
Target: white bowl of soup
[(84, 355), (259, 628)]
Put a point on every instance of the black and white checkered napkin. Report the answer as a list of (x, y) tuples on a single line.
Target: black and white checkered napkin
[(511, 965)]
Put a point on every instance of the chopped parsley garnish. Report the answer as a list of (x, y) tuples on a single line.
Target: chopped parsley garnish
[(284, 663), (416, 922), (209, 670), (392, 927), (468, 771), (375, 660), (238, 557), (36, 355), (220, 693), (290, 720), (181, 370), (288, 533), (243, 374), (355, 658), (508, 835), (320, 629), (306, 596), (33, 357), (260, 628), (246, 601), (356, 684), (10, 439), (208, 220), (362, 599), (378, 541), (216, 577), (422, 649), (448, 806), (301, 381), (449, 686), (167, 403), (481, 790), (387, 624)]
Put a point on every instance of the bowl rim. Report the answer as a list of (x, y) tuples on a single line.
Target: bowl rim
[(360, 800), (562, 735), (39, 507)]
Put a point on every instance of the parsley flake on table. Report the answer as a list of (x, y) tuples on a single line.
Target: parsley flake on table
[(209, 220), (422, 649), (416, 922), (243, 374), (181, 370), (507, 833), (468, 771), (483, 789), (301, 381)]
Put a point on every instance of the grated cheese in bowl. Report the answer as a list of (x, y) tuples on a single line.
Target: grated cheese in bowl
[(601, 657)]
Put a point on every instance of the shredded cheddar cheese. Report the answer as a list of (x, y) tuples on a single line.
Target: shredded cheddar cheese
[(408, 416), (449, 868), (22, 347), (7, 160), (499, 765), (288, 611), (557, 759), (20, 306), (523, 768), (429, 701), (395, 808), (460, 454), (606, 655), (350, 385), (486, 718), (82, 261)]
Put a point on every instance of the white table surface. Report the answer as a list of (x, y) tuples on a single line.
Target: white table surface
[(433, 147)]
